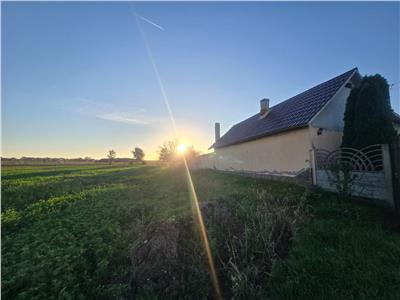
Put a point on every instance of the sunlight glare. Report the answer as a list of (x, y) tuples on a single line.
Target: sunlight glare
[(182, 148)]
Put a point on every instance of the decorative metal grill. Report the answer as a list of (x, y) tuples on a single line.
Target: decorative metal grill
[(368, 159)]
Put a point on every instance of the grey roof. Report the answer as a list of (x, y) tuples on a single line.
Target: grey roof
[(293, 113)]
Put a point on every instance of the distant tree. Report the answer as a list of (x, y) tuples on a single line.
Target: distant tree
[(191, 153), (167, 151), (138, 154), (163, 154), (368, 116), (111, 156)]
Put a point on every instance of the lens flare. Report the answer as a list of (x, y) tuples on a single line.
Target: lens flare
[(182, 148), (203, 232)]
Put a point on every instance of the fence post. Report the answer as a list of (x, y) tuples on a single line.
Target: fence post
[(387, 168), (313, 166)]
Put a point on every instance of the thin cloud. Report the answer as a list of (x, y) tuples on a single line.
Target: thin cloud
[(109, 112), (151, 22), (122, 118)]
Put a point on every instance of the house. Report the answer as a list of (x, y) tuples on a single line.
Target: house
[(277, 140)]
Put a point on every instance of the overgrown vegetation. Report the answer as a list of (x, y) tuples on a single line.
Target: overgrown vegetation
[(340, 175), (73, 233)]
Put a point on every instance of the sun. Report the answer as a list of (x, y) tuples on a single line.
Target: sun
[(182, 148)]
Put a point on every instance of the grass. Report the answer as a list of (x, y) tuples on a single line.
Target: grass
[(68, 233), (348, 251)]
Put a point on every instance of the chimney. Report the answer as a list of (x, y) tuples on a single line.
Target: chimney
[(217, 131), (264, 106)]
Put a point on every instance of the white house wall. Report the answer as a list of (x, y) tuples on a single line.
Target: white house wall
[(286, 153), (331, 116), (327, 139), (329, 121)]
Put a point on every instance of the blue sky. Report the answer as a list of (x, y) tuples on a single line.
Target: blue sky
[(77, 80)]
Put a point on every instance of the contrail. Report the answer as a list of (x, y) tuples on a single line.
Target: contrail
[(155, 69), (151, 22)]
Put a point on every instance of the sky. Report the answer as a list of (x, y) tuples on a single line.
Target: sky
[(77, 79)]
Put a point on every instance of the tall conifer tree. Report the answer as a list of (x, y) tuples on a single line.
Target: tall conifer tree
[(368, 117)]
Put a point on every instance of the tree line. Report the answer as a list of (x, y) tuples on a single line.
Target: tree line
[(168, 152)]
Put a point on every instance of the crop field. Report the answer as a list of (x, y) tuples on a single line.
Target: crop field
[(131, 232)]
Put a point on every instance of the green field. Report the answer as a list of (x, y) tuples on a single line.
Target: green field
[(68, 233)]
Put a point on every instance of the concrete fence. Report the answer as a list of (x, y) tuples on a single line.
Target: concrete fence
[(370, 172)]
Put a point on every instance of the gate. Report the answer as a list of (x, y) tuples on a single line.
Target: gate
[(367, 171)]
